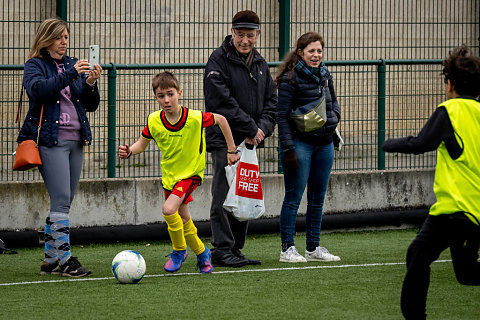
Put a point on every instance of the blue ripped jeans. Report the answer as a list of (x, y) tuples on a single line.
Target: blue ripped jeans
[(315, 164)]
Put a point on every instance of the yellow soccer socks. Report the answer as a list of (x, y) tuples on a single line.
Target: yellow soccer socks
[(176, 231), (192, 239)]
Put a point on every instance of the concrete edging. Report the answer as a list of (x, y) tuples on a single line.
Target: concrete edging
[(131, 202)]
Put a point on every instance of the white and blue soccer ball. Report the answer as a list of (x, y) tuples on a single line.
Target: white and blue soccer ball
[(128, 266)]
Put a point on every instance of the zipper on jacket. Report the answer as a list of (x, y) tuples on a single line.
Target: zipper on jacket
[(251, 76)]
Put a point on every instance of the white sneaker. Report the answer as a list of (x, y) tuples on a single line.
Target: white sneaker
[(320, 254), (291, 255)]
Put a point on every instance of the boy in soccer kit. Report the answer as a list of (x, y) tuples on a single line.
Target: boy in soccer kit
[(454, 219), (178, 132)]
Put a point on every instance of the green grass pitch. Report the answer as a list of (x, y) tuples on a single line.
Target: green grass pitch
[(365, 284)]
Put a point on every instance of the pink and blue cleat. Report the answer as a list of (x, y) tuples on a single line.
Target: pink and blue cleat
[(176, 259), (203, 261)]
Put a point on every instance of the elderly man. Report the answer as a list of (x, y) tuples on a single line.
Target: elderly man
[(237, 85)]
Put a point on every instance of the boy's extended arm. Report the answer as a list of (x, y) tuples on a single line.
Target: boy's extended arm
[(125, 151), (222, 122), (437, 129)]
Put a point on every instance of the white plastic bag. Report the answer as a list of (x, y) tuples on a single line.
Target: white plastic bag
[(245, 196)]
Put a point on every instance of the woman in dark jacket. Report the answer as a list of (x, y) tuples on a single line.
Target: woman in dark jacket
[(307, 157), (60, 85)]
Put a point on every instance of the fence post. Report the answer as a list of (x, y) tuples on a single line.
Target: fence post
[(284, 21), (62, 9), (381, 115), (112, 126), (284, 46)]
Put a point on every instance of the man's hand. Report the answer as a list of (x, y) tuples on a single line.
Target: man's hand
[(259, 137)]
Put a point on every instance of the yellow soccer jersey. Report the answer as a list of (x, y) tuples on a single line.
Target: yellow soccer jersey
[(182, 144)]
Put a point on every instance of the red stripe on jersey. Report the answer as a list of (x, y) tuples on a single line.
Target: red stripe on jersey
[(146, 133), (208, 119), (179, 124)]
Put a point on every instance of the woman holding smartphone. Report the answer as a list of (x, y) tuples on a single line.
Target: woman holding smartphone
[(60, 90)]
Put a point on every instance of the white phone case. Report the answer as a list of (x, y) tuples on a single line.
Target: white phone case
[(94, 57)]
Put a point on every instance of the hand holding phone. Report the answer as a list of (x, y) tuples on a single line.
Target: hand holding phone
[(94, 57)]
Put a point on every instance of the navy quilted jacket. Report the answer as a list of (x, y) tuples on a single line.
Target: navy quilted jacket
[(297, 91), (43, 85)]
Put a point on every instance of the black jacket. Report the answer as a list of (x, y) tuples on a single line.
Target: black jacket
[(298, 91), (247, 98), (438, 128)]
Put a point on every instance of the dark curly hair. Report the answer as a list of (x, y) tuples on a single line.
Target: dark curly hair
[(462, 68)]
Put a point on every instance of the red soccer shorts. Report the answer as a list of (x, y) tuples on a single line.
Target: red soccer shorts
[(184, 187)]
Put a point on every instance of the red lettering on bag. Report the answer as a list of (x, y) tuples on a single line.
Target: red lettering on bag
[(249, 184)]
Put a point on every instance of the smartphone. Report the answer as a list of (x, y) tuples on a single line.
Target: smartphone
[(94, 57)]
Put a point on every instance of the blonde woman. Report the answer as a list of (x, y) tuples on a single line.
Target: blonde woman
[(60, 85)]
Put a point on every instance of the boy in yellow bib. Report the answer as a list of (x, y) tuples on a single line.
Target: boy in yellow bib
[(178, 132), (454, 219)]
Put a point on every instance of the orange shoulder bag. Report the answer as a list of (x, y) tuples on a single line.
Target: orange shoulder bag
[(27, 155)]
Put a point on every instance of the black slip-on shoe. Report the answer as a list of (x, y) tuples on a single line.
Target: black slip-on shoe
[(239, 254), (229, 260)]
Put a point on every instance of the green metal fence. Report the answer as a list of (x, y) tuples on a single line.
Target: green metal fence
[(186, 31), (379, 98)]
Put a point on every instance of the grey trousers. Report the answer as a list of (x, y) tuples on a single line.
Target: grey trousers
[(60, 170), (227, 232)]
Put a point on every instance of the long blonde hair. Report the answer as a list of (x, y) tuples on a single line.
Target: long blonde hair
[(47, 32)]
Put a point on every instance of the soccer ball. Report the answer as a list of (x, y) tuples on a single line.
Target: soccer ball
[(128, 266)]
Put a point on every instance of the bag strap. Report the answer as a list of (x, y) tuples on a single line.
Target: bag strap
[(39, 124), (19, 109), (20, 104)]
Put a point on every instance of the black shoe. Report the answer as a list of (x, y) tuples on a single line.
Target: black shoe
[(73, 268), (236, 252), (46, 268), (229, 260)]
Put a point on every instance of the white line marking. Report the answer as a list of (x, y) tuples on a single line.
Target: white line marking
[(222, 272)]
